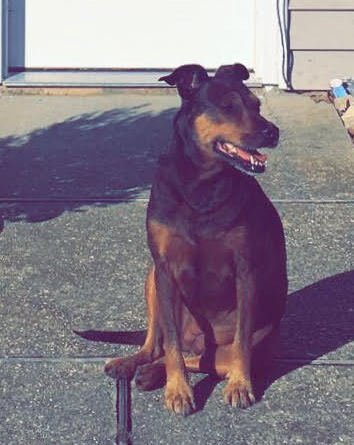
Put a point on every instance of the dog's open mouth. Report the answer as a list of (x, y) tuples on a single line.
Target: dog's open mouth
[(251, 162)]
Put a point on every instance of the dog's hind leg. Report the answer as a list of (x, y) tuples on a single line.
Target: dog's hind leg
[(151, 350), (153, 375)]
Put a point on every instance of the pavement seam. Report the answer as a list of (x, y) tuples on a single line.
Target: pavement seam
[(316, 362), (127, 200)]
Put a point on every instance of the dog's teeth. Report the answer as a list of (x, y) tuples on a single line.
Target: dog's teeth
[(252, 160), (229, 146)]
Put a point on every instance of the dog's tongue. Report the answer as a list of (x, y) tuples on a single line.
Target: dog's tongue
[(232, 150), (261, 157), (247, 156)]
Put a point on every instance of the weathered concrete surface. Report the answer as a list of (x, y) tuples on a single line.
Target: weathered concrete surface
[(315, 156), (308, 406), (56, 403), (85, 269), (72, 265), (82, 146), (108, 146), (71, 402)]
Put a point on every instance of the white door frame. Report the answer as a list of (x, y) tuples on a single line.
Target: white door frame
[(268, 48), (268, 44)]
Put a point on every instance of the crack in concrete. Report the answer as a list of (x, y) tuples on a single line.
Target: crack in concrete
[(34, 359)]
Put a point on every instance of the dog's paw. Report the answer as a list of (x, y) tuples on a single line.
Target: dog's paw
[(179, 397), (150, 376), (239, 393), (120, 367)]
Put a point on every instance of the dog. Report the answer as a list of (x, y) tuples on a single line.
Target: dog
[(217, 288)]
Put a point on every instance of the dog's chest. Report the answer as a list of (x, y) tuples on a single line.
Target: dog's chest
[(206, 275)]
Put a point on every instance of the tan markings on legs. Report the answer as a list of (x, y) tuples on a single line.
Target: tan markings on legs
[(126, 366), (261, 334), (151, 345), (239, 391), (153, 375), (170, 253), (178, 393)]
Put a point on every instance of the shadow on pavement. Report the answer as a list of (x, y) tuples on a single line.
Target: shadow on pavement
[(319, 320), (109, 155), (106, 155)]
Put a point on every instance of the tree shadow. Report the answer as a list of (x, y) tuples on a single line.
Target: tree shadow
[(105, 157)]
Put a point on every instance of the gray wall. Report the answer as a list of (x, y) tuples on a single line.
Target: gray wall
[(322, 41)]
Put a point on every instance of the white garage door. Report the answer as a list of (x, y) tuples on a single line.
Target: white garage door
[(130, 33)]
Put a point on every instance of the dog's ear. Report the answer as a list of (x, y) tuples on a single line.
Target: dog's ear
[(236, 72), (188, 79)]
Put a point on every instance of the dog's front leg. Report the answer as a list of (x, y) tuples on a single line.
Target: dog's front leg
[(178, 392), (126, 366), (239, 391)]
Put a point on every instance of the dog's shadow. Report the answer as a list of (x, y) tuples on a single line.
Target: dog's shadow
[(318, 321)]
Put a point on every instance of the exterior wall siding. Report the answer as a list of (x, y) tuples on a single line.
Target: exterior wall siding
[(321, 41)]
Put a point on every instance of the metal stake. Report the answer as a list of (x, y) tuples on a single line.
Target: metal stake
[(123, 411)]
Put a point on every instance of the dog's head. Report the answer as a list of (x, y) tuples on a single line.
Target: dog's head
[(221, 117)]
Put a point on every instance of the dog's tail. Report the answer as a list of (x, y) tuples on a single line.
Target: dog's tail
[(138, 337), (119, 337)]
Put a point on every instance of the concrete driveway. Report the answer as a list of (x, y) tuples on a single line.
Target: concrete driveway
[(75, 174)]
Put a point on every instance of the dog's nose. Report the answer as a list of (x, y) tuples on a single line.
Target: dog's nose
[(271, 135), (268, 131)]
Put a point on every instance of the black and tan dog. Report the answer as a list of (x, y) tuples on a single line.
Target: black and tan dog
[(217, 289)]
